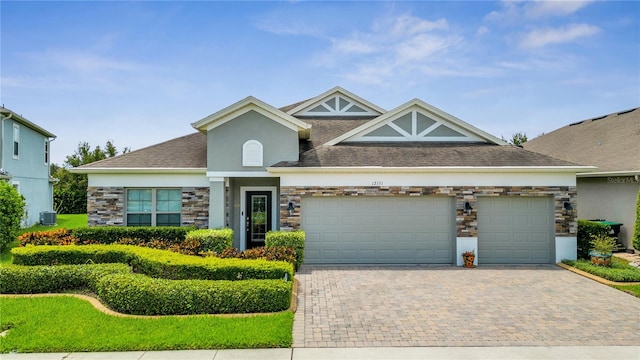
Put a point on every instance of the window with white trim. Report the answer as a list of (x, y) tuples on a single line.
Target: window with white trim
[(16, 141), (153, 207), (46, 151), (252, 153)]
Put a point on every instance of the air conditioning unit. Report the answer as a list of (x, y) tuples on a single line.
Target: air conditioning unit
[(48, 218)]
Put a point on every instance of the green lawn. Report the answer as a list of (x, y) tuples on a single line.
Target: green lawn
[(67, 221), (66, 324)]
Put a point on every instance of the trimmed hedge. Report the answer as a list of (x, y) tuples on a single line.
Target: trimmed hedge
[(276, 253), (211, 240), (139, 294), (292, 239), (621, 272), (586, 230), (44, 279), (111, 234), (635, 240), (153, 262)]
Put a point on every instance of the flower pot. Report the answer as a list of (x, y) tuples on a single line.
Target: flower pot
[(600, 259), (468, 260)]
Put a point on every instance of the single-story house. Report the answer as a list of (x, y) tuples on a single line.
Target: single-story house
[(413, 185), (612, 143), (25, 153)]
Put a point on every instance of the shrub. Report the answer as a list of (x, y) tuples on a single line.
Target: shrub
[(111, 234), (153, 262), (276, 253), (50, 237), (292, 239), (617, 272), (210, 240), (636, 226), (11, 212), (138, 294), (44, 279), (586, 231)]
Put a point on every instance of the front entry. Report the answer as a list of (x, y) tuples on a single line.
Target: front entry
[(259, 217)]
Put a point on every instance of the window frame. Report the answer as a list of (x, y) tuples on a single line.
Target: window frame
[(154, 212), (46, 151), (16, 141)]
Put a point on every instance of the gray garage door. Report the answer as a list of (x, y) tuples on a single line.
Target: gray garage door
[(516, 230), (379, 230)]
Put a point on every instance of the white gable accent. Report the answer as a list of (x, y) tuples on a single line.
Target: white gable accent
[(416, 121), (336, 102), (252, 153), (248, 104)]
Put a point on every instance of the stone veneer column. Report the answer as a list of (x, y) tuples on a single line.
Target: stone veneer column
[(217, 213)]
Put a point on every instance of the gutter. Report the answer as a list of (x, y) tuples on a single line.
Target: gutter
[(434, 169), (3, 140)]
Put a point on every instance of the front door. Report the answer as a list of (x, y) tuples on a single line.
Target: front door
[(258, 219)]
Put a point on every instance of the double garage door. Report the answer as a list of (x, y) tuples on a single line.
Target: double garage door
[(422, 230), (379, 230)]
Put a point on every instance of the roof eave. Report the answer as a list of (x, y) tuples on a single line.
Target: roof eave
[(12, 115), (434, 169), (115, 170), (609, 173)]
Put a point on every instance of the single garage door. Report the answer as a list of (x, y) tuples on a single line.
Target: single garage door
[(516, 230), (379, 230)]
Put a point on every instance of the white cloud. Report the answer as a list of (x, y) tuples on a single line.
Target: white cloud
[(537, 9), (410, 25), (542, 37), (482, 30)]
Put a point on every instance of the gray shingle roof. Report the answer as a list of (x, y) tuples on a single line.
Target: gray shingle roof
[(611, 142), (421, 154), (189, 151)]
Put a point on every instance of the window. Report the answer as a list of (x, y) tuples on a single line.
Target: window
[(252, 153), (154, 207), (46, 151), (16, 141)]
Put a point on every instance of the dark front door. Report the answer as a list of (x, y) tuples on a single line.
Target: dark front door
[(258, 219)]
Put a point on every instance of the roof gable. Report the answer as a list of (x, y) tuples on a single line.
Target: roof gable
[(417, 121), (335, 102), (252, 104), (8, 114)]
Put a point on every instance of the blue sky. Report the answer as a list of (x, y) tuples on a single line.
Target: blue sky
[(139, 73)]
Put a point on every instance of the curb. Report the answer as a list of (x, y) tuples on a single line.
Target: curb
[(595, 277), (102, 308)]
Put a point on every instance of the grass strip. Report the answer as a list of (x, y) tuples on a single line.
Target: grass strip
[(67, 324)]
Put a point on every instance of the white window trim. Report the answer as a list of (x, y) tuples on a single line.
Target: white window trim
[(47, 152), (16, 138), (243, 210), (153, 212)]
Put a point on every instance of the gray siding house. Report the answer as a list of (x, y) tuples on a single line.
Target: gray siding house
[(412, 185), (24, 162), (612, 144)]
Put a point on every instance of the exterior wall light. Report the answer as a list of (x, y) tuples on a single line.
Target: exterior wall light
[(290, 208), (467, 208), (567, 206)]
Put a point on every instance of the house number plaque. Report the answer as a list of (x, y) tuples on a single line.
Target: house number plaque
[(377, 183)]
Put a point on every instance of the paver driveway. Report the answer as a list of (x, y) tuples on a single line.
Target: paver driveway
[(449, 306)]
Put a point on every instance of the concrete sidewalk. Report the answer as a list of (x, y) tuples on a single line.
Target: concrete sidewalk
[(384, 353)]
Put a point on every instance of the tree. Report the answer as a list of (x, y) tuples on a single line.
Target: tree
[(70, 193), (11, 213), (518, 139)]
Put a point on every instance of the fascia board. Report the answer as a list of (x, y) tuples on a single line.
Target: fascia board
[(81, 170), (434, 169), (14, 116), (424, 106), (608, 173), (332, 91), (251, 103)]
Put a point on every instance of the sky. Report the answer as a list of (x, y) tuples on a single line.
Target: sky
[(139, 73)]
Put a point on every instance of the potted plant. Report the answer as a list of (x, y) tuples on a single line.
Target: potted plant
[(468, 257), (602, 249)]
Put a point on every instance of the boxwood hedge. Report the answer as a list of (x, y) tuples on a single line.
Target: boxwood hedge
[(142, 295), (16, 279), (153, 262)]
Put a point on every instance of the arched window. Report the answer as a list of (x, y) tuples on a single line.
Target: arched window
[(252, 153)]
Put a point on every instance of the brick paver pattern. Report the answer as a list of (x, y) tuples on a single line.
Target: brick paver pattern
[(449, 306)]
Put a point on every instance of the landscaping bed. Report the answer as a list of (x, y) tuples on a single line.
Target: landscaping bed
[(620, 272)]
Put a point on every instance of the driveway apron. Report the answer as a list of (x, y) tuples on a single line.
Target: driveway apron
[(448, 306)]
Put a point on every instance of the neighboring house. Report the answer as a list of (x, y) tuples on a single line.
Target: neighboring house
[(413, 185), (612, 143), (24, 162)]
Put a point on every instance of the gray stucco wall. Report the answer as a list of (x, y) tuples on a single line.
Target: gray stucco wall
[(610, 198), (224, 143), (29, 171)]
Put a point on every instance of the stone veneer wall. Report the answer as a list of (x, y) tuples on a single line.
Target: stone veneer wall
[(105, 206), (467, 225)]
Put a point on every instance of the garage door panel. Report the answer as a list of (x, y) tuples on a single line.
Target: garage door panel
[(515, 230), (399, 230)]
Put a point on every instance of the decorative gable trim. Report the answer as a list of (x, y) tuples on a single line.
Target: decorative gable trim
[(336, 102), (252, 104), (416, 121)]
